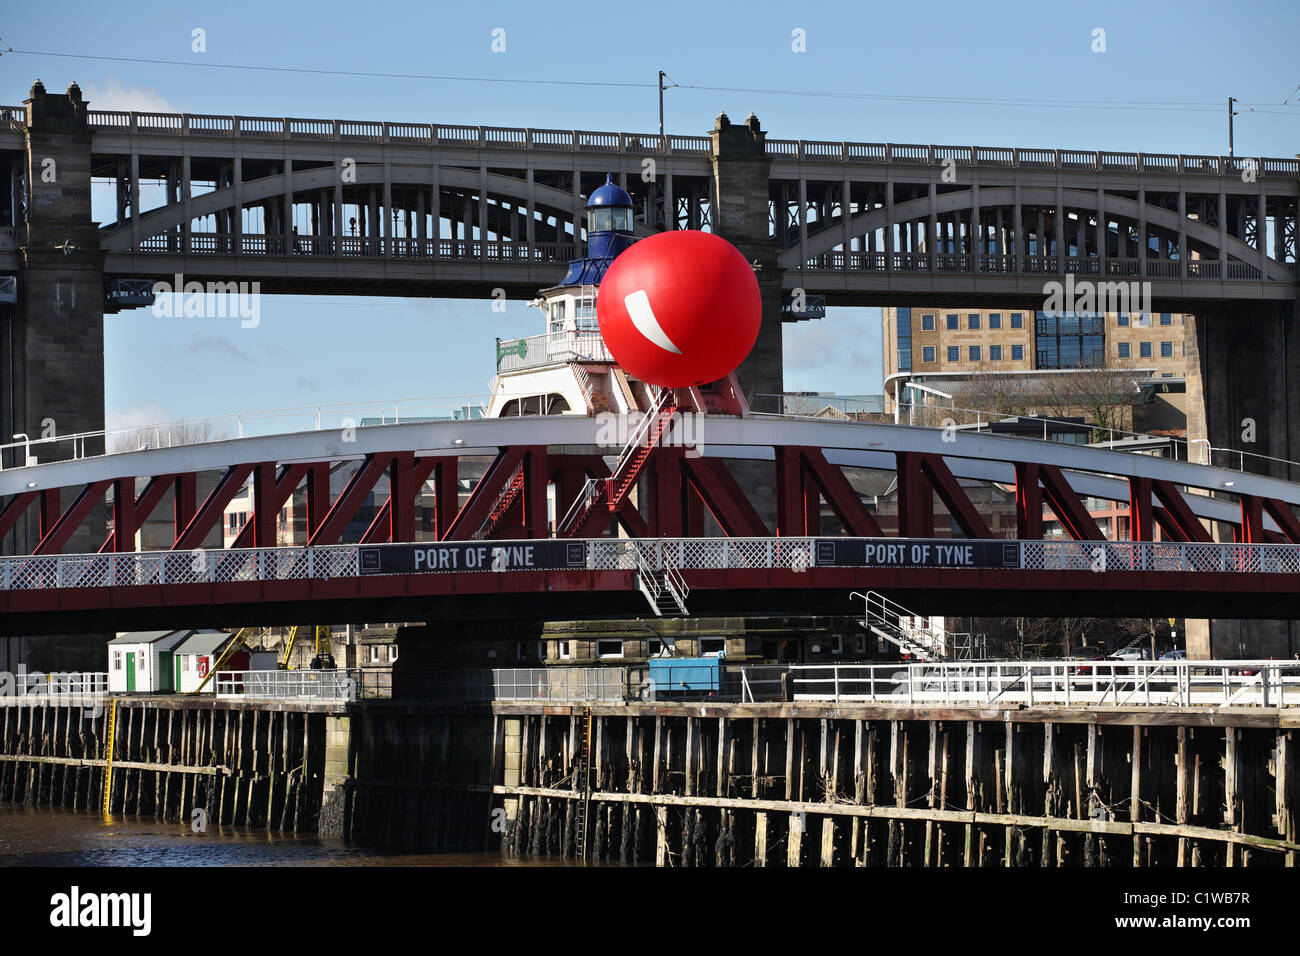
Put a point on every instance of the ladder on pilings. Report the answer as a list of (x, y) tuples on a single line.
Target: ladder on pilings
[(608, 493), (582, 784)]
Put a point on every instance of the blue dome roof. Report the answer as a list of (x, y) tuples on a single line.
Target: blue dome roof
[(610, 195)]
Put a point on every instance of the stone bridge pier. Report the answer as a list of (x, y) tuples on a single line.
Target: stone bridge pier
[(1243, 410)]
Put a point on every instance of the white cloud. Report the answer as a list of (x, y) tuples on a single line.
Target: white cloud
[(149, 413), (112, 95)]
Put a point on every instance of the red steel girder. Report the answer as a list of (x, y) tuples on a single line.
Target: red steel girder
[(332, 525), (920, 475), (1036, 483), (724, 498), (14, 509), (63, 527), (130, 513), (1176, 518), (209, 514), (481, 501)]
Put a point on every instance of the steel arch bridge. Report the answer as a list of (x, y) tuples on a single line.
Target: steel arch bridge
[(799, 547), (460, 210)]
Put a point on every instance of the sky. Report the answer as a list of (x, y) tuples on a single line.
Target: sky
[(1027, 74)]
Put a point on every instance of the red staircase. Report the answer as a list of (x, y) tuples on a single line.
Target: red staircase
[(507, 498), (608, 493)]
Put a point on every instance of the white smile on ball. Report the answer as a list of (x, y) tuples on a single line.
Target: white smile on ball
[(643, 317)]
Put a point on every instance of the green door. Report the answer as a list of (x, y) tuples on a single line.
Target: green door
[(130, 670), (165, 671), (177, 661)]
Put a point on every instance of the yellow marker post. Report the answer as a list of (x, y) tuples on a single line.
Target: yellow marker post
[(108, 754)]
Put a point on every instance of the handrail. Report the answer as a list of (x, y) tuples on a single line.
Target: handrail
[(208, 125), (167, 430), (153, 568), (1181, 684)]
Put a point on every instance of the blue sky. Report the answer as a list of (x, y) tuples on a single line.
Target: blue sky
[(308, 350)]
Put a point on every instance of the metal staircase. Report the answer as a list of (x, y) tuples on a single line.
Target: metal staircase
[(665, 588), (606, 494), (504, 500), (893, 622)]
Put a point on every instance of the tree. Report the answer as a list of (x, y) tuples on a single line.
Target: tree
[(167, 435)]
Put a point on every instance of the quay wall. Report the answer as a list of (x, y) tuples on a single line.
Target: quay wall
[(689, 784)]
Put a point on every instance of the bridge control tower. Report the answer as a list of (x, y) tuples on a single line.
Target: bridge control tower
[(567, 369)]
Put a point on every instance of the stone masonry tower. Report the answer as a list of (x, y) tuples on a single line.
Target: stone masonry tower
[(740, 180), (53, 367)]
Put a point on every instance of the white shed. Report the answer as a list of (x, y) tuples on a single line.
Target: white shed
[(142, 661), (198, 652)]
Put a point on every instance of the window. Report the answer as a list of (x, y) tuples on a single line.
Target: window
[(927, 323), (601, 219), (654, 647), (585, 313), (974, 353), (1017, 353), (117, 660), (1017, 320), (973, 320), (609, 648), (995, 353), (1122, 320), (1166, 349), (142, 663), (1166, 318), (712, 646), (837, 644), (1123, 350), (995, 320), (392, 652), (904, 339), (927, 353), (233, 522), (374, 653), (284, 517), (952, 322), (1069, 340), (563, 648), (953, 353), (1144, 349), (1167, 375)]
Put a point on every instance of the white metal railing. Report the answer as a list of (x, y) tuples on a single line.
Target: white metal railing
[(326, 685), (551, 348), (911, 633), (527, 683), (1244, 683), (53, 686), (197, 431), (215, 566)]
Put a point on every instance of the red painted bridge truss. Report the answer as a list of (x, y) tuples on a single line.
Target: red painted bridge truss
[(676, 488)]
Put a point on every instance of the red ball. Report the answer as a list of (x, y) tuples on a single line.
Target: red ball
[(679, 308)]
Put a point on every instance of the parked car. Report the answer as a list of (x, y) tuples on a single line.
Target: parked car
[(1174, 656), (1131, 654)]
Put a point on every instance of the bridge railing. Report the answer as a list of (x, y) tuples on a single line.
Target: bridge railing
[(215, 566), (310, 685), (474, 684), (1246, 683), (1000, 264), (521, 138)]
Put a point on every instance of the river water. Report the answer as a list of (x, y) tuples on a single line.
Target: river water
[(45, 837)]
